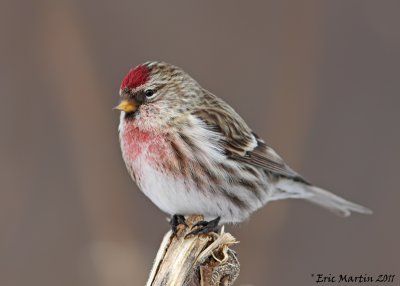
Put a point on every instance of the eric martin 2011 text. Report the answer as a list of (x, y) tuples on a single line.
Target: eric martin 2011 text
[(348, 278)]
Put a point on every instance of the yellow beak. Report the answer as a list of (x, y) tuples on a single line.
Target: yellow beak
[(127, 106)]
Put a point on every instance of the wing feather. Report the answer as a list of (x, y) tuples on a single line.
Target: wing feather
[(239, 142)]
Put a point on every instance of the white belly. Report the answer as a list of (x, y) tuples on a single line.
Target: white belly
[(174, 195)]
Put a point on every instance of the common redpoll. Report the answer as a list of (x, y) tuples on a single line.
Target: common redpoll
[(191, 153)]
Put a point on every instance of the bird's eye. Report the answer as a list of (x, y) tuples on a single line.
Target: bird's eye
[(149, 92)]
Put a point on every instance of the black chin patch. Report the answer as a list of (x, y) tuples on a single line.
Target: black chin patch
[(130, 115)]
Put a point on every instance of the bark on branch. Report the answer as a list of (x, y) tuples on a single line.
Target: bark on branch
[(198, 260)]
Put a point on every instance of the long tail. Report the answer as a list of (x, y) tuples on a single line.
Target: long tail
[(334, 203), (286, 188)]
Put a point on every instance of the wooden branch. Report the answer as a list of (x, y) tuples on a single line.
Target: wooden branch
[(198, 260)]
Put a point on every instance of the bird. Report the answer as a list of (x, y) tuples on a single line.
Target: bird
[(191, 153)]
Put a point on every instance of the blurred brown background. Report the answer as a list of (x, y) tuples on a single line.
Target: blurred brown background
[(319, 80)]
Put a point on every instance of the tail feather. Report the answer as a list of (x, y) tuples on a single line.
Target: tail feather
[(334, 203)]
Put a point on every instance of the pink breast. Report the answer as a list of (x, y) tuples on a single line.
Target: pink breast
[(137, 142)]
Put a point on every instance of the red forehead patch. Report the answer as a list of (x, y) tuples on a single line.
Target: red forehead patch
[(136, 77)]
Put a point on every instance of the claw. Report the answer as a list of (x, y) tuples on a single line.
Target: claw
[(200, 223), (204, 227)]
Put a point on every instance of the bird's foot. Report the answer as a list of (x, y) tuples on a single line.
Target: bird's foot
[(204, 227), (177, 220)]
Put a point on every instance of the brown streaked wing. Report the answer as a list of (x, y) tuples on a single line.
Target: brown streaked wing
[(222, 118), (265, 157), (239, 139)]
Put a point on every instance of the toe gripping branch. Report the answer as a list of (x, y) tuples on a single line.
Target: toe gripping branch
[(204, 227), (201, 227)]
